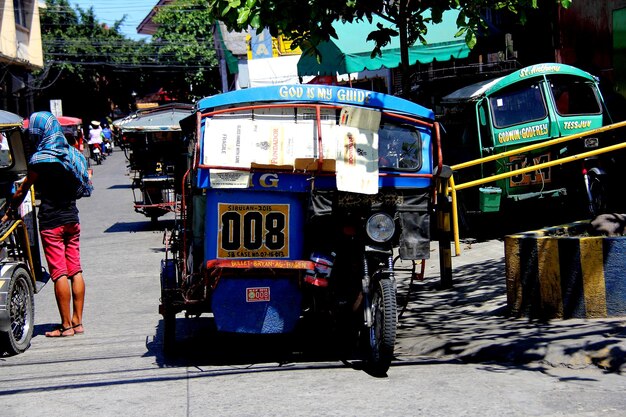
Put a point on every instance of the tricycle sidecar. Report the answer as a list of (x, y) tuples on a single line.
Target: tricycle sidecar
[(531, 106), (153, 145), (296, 201), (21, 271)]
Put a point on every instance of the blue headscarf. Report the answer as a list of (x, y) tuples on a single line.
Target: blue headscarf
[(52, 147)]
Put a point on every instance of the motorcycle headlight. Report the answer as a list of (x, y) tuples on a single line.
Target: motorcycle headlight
[(380, 227)]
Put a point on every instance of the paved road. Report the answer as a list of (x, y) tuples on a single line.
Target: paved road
[(458, 353)]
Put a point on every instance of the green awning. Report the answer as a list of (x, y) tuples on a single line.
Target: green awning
[(351, 53)]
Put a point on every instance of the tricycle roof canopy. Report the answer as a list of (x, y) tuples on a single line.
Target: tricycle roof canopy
[(487, 87), (327, 94), (63, 121), (9, 120), (162, 118), (350, 52)]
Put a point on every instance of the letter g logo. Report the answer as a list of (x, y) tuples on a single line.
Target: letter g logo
[(268, 180)]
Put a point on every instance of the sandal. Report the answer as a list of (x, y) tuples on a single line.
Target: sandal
[(60, 332), (81, 331)]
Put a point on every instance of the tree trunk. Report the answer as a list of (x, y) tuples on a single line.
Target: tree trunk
[(404, 51)]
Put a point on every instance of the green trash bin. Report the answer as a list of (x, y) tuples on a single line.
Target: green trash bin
[(490, 199)]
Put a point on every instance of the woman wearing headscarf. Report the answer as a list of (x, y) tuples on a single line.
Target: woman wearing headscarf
[(59, 173)]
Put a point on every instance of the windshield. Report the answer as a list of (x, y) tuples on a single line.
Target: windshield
[(522, 103), (399, 147), (574, 96)]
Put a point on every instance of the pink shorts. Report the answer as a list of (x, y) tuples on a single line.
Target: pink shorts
[(61, 246)]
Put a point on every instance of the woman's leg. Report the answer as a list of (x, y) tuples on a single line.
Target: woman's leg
[(54, 250), (63, 297), (72, 259), (78, 300)]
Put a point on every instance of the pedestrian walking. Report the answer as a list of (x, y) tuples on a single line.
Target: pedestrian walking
[(59, 173)]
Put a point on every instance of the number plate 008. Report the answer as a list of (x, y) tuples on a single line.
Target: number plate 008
[(253, 231)]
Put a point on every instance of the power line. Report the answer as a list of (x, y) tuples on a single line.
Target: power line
[(116, 42), (133, 65)]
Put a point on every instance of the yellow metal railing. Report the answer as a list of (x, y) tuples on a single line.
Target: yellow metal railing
[(20, 253), (27, 255), (452, 187)]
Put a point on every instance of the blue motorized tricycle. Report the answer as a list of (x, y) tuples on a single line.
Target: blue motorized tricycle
[(296, 203)]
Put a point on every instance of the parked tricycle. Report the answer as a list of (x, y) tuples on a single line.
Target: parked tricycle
[(21, 272), (298, 202), (533, 105), (154, 146)]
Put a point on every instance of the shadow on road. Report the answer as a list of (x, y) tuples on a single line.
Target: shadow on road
[(470, 322), (139, 226), (199, 344)]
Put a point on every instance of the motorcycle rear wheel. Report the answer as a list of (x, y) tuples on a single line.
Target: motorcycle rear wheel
[(21, 306)]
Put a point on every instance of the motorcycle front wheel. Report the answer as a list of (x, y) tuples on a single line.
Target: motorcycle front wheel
[(382, 333)]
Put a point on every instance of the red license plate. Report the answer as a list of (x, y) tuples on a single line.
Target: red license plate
[(254, 295)]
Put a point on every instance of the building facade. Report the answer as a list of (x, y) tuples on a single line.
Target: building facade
[(20, 54)]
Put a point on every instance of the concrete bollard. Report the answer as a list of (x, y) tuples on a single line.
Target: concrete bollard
[(563, 272)]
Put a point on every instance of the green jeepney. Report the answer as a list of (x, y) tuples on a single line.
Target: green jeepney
[(531, 105)]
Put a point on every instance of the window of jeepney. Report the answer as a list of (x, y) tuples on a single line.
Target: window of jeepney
[(574, 95), (520, 103), (399, 147)]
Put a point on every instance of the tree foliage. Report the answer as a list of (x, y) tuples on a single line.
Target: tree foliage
[(310, 22), (184, 35), (93, 67), (87, 64)]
